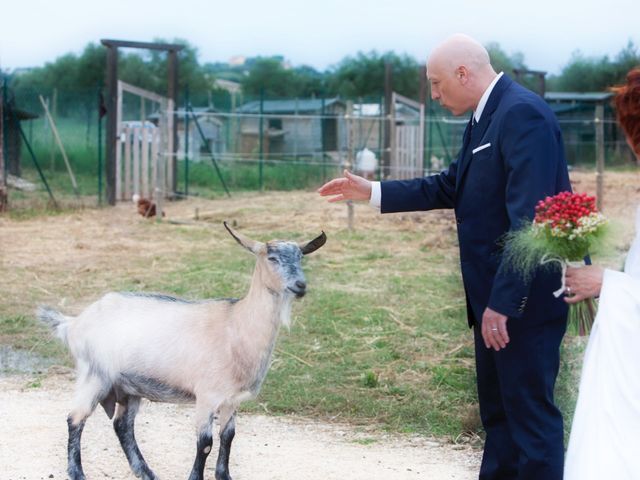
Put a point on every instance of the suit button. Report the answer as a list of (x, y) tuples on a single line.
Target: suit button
[(458, 220)]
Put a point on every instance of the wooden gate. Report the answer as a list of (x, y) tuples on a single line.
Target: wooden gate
[(144, 165), (407, 138)]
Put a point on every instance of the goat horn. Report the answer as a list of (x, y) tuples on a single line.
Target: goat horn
[(314, 244), (252, 245)]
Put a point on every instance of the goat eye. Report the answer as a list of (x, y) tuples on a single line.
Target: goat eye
[(274, 260)]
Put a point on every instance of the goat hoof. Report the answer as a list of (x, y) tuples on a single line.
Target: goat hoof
[(75, 474), (223, 475)]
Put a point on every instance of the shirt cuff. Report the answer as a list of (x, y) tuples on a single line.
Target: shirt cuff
[(376, 195)]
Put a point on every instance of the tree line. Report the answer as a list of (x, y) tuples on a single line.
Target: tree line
[(359, 76)]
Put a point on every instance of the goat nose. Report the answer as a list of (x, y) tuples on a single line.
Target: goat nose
[(301, 285)]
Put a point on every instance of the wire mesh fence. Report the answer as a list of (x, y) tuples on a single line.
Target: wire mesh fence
[(258, 143)]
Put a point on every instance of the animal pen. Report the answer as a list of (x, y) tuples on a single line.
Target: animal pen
[(174, 148)]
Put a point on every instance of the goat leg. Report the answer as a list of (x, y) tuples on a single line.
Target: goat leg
[(89, 391), (226, 437), (74, 468), (124, 427), (203, 448)]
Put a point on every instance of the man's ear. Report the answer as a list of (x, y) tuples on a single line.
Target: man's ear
[(462, 74)]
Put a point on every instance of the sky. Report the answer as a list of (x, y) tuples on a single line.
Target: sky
[(319, 33)]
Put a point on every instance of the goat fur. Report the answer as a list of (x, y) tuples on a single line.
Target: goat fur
[(213, 352)]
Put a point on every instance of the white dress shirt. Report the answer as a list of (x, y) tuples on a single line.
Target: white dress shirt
[(376, 190)]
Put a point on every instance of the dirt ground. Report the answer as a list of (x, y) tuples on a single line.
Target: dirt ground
[(45, 258), (33, 435)]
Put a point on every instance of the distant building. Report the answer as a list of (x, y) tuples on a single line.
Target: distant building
[(211, 126), (231, 87), (576, 113), (295, 127), (370, 128), (237, 60)]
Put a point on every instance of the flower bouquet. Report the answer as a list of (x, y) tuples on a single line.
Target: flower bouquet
[(566, 228)]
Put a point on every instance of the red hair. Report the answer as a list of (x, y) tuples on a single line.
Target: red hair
[(627, 102)]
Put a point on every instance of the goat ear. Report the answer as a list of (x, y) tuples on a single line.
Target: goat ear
[(314, 244), (252, 245)]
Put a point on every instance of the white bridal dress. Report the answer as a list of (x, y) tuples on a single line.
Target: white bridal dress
[(605, 435)]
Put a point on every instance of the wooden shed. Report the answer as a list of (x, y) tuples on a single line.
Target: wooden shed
[(293, 127), (576, 113)]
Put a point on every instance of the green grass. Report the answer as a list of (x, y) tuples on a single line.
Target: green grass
[(381, 337), (394, 355), (82, 151), (26, 334), (286, 174), (377, 354), (369, 343)]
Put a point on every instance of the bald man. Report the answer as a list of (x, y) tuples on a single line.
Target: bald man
[(511, 157)]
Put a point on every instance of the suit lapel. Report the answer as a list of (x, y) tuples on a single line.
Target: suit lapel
[(466, 137), (478, 131)]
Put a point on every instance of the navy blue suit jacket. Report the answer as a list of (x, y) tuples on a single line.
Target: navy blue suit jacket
[(518, 160)]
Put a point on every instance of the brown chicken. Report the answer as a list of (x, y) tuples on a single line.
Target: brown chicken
[(146, 207)]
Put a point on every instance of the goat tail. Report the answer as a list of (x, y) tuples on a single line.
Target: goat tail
[(57, 321)]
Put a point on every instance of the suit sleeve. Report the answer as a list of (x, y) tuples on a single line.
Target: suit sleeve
[(426, 193), (531, 150)]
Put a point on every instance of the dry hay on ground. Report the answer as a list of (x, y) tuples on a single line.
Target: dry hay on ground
[(77, 253)]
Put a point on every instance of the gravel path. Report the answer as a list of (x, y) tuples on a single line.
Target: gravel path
[(33, 435)]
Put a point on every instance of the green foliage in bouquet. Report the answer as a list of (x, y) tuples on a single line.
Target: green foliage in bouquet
[(566, 227)]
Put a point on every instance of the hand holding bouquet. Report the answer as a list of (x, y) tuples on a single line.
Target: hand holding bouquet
[(566, 229)]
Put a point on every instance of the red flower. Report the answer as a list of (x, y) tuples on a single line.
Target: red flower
[(564, 210)]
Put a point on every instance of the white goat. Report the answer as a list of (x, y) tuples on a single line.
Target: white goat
[(215, 353)]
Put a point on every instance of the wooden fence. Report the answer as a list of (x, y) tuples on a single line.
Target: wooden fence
[(407, 141), (142, 164)]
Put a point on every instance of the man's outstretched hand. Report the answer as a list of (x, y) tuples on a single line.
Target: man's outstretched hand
[(349, 187)]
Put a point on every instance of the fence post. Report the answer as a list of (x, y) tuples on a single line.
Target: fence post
[(600, 154), (3, 171), (186, 141), (52, 140), (394, 163), (381, 130), (350, 164), (295, 130), (112, 123), (322, 140), (101, 113), (261, 140), (388, 90), (172, 87), (423, 124)]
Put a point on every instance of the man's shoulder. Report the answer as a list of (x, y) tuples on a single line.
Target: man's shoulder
[(517, 94), (521, 101)]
